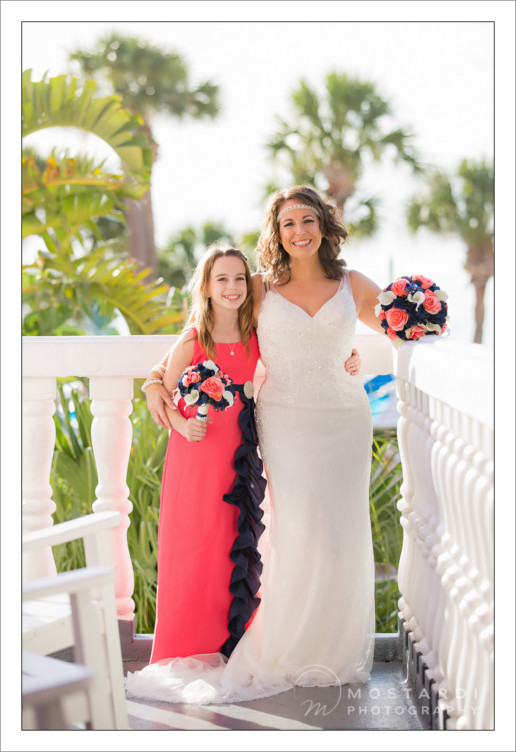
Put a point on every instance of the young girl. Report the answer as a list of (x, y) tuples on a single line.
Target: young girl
[(209, 522)]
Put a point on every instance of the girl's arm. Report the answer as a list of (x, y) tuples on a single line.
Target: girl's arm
[(365, 292), (181, 357)]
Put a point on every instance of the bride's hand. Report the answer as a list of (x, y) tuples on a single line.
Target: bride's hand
[(353, 363), (157, 398)]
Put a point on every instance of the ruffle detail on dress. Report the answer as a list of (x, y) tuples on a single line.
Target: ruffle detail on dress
[(247, 494)]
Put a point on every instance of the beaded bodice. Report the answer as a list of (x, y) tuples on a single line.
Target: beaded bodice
[(304, 355)]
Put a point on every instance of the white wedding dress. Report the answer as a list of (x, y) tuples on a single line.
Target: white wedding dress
[(315, 623)]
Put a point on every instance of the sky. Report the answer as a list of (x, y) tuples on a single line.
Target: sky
[(438, 77)]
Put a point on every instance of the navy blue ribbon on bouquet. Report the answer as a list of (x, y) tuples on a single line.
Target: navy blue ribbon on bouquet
[(247, 494)]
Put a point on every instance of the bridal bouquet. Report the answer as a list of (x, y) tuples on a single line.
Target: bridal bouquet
[(411, 307), (203, 385)]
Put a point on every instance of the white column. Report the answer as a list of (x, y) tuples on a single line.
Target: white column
[(38, 446), (111, 435)]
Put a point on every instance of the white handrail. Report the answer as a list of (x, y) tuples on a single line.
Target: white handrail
[(445, 435)]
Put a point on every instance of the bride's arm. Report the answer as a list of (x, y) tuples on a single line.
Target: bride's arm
[(365, 292)]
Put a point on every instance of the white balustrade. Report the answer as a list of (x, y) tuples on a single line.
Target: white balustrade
[(445, 392), (111, 364)]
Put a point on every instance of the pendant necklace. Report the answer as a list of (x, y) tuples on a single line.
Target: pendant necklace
[(231, 350)]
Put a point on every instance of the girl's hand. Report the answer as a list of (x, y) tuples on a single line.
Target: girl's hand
[(353, 363), (157, 399), (195, 430)]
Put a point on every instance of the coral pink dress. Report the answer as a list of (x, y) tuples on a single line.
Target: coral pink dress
[(209, 523)]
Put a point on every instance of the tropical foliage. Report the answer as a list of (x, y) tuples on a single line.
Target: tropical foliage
[(462, 204), (74, 479), (67, 289), (384, 493), (330, 137), (150, 81)]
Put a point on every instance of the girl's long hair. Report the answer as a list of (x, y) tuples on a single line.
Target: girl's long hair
[(201, 313), (275, 261)]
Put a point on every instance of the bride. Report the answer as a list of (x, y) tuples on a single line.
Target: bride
[(315, 624)]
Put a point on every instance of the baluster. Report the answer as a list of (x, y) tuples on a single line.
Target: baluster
[(38, 446), (405, 505), (111, 435)]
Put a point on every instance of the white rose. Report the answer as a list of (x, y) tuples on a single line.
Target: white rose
[(417, 298), (433, 327), (386, 298), (441, 294), (229, 397), (210, 365), (192, 398)]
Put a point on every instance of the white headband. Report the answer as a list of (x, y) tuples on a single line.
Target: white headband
[(298, 206)]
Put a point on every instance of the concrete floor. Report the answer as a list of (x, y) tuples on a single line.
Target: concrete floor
[(384, 703)]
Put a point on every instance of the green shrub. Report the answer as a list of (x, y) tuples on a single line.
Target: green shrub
[(384, 493)]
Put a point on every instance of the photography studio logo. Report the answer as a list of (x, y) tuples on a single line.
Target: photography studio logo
[(316, 677)]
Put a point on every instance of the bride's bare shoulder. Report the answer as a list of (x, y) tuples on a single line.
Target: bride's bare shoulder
[(359, 281)]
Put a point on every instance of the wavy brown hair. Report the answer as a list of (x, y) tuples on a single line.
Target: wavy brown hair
[(273, 258), (201, 313)]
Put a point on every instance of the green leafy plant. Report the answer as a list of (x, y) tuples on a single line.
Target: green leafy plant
[(384, 493), (68, 289), (74, 479)]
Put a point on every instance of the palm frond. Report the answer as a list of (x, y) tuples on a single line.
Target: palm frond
[(62, 101)]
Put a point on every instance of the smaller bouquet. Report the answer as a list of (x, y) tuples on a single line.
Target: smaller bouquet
[(203, 385), (411, 307)]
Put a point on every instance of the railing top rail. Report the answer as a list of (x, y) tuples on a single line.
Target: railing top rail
[(134, 355), (460, 374)]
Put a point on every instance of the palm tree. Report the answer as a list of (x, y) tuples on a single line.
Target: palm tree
[(150, 81), (332, 135), (462, 204), (64, 197)]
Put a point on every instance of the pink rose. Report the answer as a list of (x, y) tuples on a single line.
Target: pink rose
[(425, 282), (398, 286), (191, 378), (431, 303), (396, 318), (443, 328), (213, 387), (417, 331), (381, 315), (391, 333)]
